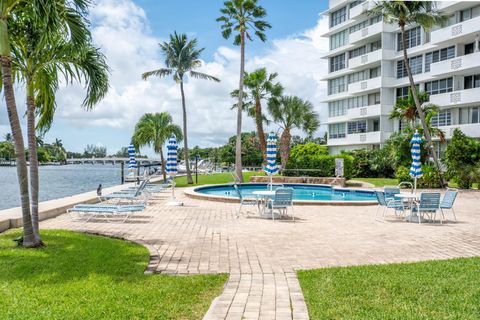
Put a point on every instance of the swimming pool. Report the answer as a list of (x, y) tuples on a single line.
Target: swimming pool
[(301, 193)]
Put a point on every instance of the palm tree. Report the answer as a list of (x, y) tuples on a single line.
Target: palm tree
[(40, 64), (261, 86), (181, 58), (244, 17), (291, 112), (154, 130), (417, 13), (55, 15), (8, 137)]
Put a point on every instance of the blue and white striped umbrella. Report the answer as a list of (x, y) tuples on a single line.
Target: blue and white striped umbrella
[(416, 167), (132, 164), (172, 147), (271, 168)]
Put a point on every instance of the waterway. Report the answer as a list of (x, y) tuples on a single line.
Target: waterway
[(59, 181)]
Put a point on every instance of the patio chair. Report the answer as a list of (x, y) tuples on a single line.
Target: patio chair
[(428, 205), (244, 201), (139, 194), (282, 200), (398, 205), (390, 192), (106, 211), (447, 203)]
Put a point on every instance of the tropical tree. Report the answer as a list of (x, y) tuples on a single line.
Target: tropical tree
[(154, 130), (41, 64), (244, 18), (290, 112), (405, 109), (413, 13), (8, 137), (54, 15), (261, 86), (181, 59)]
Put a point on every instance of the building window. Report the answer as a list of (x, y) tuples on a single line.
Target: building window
[(375, 72), (337, 62), (443, 118), (355, 3), (338, 40), (413, 38), (338, 17), (373, 99), (376, 19), (469, 48), (358, 76), (377, 45), (439, 55), (357, 52), (439, 86), (469, 115), (402, 92), (465, 14), (336, 85), (475, 115), (415, 65), (336, 108), (336, 131), (357, 127), (470, 82), (358, 26), (357, 102)]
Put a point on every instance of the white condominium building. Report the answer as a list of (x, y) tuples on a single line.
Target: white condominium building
[(367, 73)]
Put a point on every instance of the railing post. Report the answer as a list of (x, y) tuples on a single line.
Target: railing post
[(122, 164)]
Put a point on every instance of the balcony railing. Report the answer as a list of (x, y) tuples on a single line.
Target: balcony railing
[(456, 31), (370, 58), (370, 31), (358, 10), (467, 64), (357, 138), (459, 97), (471, 130)]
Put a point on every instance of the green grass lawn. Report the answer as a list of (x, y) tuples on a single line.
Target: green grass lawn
[(216, 178), (448, 289), (379, 182), (78, 276)]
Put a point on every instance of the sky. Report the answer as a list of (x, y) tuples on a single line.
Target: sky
[(128, 33)]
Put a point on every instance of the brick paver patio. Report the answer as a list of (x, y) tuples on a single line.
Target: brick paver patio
[(262, 256)]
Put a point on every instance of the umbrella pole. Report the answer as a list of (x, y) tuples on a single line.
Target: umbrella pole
[(271, 182), (173, 201), (415, 185)]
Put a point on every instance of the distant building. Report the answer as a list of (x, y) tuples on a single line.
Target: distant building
[(367, 74)]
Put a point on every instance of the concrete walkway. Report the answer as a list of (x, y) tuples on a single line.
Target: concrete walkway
[(262, 256)]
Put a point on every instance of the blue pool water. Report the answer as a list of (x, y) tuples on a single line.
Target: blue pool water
[(300, 192)]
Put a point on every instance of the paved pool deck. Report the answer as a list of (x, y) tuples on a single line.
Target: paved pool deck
[(262, 256)]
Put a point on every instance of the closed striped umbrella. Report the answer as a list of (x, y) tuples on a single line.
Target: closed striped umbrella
[(416, 167), (132, 164), (271, 168), (172, 147)]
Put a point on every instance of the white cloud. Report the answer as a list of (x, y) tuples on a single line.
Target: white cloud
[(121, 29)]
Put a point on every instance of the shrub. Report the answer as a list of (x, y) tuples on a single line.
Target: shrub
[(371, 163), (318, 165), (462, 157), (430, 178)]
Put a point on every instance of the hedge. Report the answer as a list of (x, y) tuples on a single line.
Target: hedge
[(318, 166)]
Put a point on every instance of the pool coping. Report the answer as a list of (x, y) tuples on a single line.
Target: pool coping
[(192, 193)]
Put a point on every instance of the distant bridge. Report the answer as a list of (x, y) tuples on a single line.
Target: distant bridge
[(140, 161)]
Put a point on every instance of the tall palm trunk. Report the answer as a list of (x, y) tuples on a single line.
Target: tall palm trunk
[(238, 144), (21, 162), (260, 132), (164, 172), (32, 153), (185, 139), (421, 114), (285, 139)]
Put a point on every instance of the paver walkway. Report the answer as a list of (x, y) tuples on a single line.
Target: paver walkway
[(262, 256)]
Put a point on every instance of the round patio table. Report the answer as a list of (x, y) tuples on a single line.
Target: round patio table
[(410, 198), (264, 195)]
